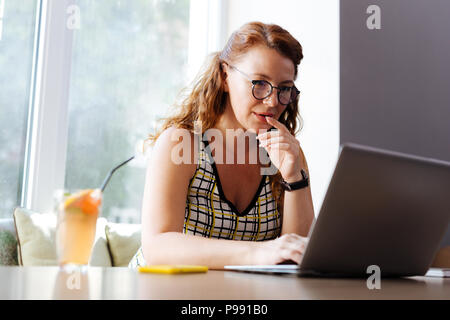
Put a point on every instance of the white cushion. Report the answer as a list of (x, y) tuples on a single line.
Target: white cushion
[(124, 240)]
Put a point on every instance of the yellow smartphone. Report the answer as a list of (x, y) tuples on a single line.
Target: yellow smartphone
[(172, 269)]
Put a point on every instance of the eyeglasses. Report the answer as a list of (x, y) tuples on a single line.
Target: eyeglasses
[(261, 89)]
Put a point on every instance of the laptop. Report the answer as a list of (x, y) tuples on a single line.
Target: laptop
[(381, 208)]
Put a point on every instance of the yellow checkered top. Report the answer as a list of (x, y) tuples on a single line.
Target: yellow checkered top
[(210, 214)]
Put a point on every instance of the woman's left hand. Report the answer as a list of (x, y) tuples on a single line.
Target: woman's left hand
[(283, 149)]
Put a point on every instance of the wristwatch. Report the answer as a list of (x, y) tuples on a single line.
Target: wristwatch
[(298, 184)]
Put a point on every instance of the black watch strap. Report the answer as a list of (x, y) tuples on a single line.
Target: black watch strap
[(298, 184)]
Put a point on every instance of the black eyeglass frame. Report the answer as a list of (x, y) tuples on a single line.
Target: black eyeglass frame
[(254, 82)]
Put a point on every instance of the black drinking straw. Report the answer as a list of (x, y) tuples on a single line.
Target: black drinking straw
[(105, 182)]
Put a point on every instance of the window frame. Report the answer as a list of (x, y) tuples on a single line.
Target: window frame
[(47, 124)]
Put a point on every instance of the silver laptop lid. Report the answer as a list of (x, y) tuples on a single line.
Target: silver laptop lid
[(381, 208)]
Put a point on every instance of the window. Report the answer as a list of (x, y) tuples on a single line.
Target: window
[(17, 31), (82, 82), (127, 57)]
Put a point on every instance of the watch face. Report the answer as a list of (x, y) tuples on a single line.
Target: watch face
[(287, 186), (298, 184)]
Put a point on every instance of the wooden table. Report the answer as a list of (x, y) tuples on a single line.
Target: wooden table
[(124, 283)]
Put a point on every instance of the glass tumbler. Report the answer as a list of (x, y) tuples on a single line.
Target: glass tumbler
[(76, 225)]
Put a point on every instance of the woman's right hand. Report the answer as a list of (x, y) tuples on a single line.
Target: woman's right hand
[(289, 246)]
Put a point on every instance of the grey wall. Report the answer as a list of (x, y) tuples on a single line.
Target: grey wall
[(395, 81)]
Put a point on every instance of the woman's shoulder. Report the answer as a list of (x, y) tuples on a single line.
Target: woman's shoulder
[(175, 147), (174, 137), (173, 133)]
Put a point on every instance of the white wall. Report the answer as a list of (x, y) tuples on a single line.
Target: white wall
[(315, 24)]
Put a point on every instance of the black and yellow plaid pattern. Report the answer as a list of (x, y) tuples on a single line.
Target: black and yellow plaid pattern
[(209, 214)]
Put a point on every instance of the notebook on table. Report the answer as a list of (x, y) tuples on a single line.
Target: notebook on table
[(438, 272)]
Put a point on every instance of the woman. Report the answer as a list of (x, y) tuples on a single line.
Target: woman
[(207, 212)]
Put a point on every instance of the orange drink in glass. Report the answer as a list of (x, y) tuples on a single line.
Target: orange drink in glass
[(77, 220)]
